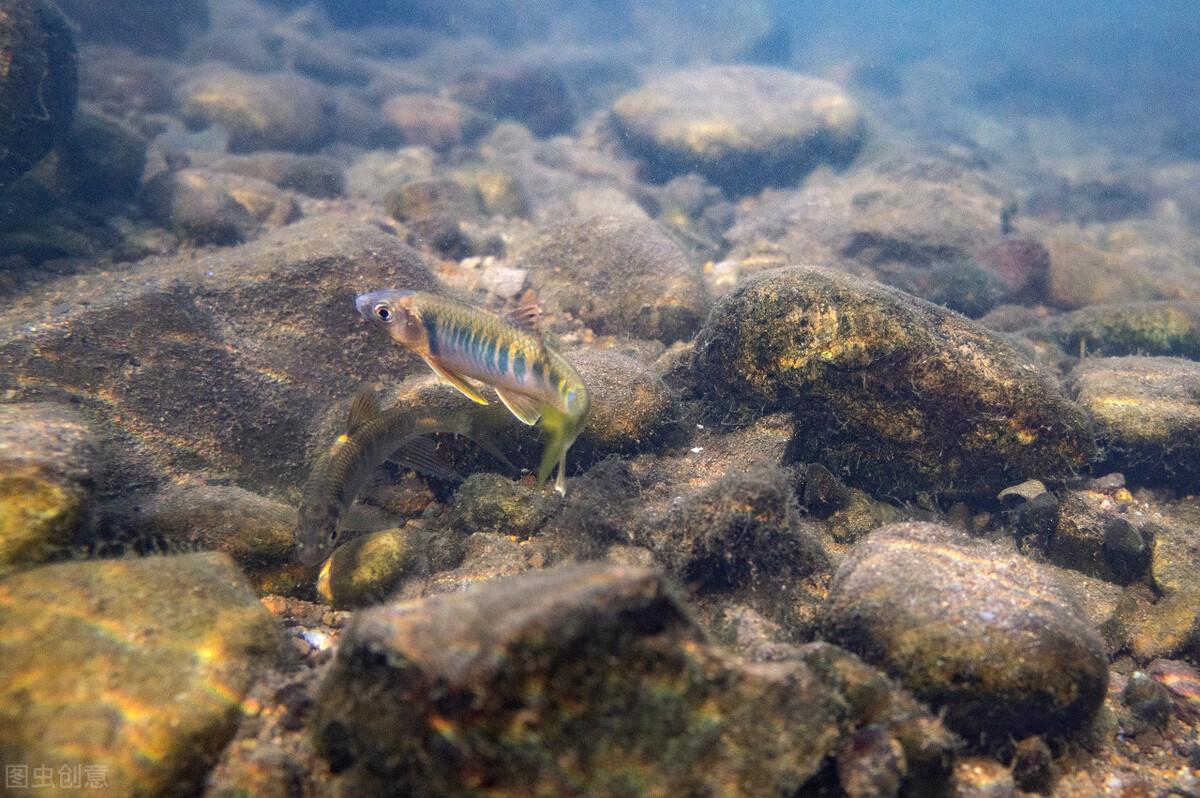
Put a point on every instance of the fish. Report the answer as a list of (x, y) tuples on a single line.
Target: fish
[(372, 437), (461, 342)]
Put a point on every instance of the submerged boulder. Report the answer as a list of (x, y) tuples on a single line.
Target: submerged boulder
[(220, 362), (158, 27), (901, 395), (741, 127), (970, 627), (619, 275), (47, 474), (259, 112), (38, 84), (590, 676), (138, 667), (1170, 328)]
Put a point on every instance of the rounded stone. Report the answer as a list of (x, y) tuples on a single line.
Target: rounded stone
[(899, 394), (992, 638), (619, 275), (741, 127), (260, 112), (38, 84)]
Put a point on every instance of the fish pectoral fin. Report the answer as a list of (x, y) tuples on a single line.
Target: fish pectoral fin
[(421, 454), (527, 317), (364, 408), (524, 407), (456, 380)]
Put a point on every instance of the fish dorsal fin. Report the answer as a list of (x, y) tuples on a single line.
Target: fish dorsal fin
[(364, 408), (524, 407), (458, 382), (527, 316)]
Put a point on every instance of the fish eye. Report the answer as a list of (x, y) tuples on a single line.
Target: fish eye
[(383, 313), (333, 536)]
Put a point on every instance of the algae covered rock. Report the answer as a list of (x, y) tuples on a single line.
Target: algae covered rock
[(259, 112), (436, 122), (313, 175), (136, 666), (631, 406), (496, 504), (207, 207), (47, 469), (588, 676), (968, 626), (38, 84), (618, 275), (218, 362), (743, 528), (535, 95), (901, 395), (1170, 328), (741, 127), (1147, 414)]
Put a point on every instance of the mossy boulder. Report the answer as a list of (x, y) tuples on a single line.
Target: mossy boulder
[(1147, 415), (589, 676), (901, 395), (48, 463), (39, 83), (993, 639), (1169, 328), (619, 275), (497, 504), (632, 409), (137, 666), (741, 127)]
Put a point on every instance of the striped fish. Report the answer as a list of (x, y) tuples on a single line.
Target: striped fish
[(461, 342)]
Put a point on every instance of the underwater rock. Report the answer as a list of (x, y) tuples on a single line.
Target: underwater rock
[(1147, 416), (970, 627), (738, 530), (927, 226), (1171, 627), (870, 764), (592, 676), (254, 530), (157, 27), (218, 362), (47, 469), (618, 275), (435, 197), (208, 207), (500, 191), (631, 406), (375, 174), (259, 112), (979, 777), (435, 122), (741, 127), (38, 84), (121, 83), (1170, 328), (1091, 536), (312, 175), (135, 666), (1122, 262), (365, 570), (900, 395), (536, 96), (496, 504)]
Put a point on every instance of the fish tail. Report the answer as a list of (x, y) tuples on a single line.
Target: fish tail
[(561, 431)]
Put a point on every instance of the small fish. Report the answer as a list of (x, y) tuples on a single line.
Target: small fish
[(459, 341), (371, 438)]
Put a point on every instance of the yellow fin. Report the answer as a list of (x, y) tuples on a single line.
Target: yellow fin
[(524, 407), (364, 408), (457, 381)]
